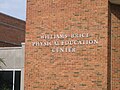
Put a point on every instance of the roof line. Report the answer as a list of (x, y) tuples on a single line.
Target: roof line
[(11, 26), (9, 42), (12, 17)]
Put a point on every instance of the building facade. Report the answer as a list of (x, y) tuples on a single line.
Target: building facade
[(12, 39), (12, 74), (12, 31), (115, 46), (72, 45)]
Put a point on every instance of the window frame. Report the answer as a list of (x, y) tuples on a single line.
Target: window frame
[(13, 70)]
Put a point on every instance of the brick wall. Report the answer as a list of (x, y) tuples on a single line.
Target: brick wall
[(115, 28), (12, 21), (85, 69), (12, 31)]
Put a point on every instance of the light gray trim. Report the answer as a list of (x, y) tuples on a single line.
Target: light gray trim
[(22, 70), (8, 48), (10, 69)]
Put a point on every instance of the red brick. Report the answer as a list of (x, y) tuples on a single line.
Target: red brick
[(86, 69), (12, 31)]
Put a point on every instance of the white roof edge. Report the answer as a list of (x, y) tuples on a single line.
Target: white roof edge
[(23, 43), (10, 69), (8, 48)]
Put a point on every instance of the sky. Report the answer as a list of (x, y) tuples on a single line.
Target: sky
[(14, 8)]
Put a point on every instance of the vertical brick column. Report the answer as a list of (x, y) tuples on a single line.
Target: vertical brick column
[(84, 69), (115, 27)]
